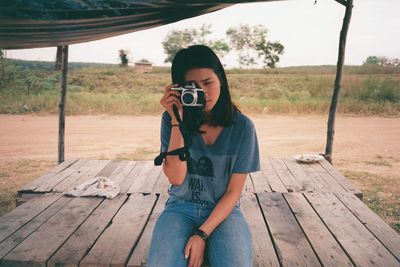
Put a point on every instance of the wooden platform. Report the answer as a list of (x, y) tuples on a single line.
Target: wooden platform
[(276, 175), (301, 224), (288, 229)]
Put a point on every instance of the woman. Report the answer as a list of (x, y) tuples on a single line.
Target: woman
[(202, 215)]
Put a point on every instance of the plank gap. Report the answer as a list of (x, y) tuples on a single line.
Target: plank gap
[(330, 231), (105, 228), (277, 253), (301, 227), (142, 231), (62, 244), (59, 202), (273, 179), (57, 197), (365, 225), (250, 176)]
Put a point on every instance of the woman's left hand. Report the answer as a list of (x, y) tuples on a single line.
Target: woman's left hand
[(195, 250)]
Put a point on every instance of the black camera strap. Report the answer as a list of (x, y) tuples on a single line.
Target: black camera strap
[(183, 152)]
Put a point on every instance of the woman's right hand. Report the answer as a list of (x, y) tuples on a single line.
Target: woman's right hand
[(169, 99)]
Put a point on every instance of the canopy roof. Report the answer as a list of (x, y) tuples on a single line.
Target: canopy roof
[(43, 23)]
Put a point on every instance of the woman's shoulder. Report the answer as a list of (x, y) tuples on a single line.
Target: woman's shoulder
[(243, 121)]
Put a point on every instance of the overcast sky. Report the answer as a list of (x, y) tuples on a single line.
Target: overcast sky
[(309, 32)]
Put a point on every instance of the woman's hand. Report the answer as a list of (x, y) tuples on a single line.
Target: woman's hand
[(195, 251), (169, 99)]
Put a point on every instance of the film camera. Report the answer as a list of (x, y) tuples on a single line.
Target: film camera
[(191, 94)]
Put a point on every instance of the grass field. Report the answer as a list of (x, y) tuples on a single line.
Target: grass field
[(366, 90)]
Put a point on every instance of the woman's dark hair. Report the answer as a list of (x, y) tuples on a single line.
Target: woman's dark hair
[(201, 56)]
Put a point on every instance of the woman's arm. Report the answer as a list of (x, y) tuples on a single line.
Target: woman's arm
[(226, 204), (173, 167)]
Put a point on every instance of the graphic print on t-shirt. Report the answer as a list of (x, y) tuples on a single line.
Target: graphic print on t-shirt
[(201, 174), (203, 166)]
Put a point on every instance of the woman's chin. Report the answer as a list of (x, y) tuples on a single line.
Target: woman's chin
[(208, 107)]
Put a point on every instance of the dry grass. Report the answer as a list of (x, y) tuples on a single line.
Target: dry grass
[(381, 193), (15, 174), (122, 91)]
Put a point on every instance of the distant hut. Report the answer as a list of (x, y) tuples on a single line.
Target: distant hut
[(143, 66)]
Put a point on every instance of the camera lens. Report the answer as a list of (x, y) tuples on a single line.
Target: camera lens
[(188, 97)]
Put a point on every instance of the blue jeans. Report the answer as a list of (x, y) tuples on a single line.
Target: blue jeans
[(229, 245)]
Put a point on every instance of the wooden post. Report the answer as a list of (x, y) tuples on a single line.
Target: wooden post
[(61, 106), (339, 72), (57, 65)]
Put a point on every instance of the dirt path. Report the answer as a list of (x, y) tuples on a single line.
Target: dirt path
[(35, 137), (366, 149)]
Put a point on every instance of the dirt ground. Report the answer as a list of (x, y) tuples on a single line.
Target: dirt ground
[(366, 149)]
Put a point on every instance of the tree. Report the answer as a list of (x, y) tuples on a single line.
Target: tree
[(220, 47), (178, 39), (123, 55), (372, 60), (382, 61), (252, 45)]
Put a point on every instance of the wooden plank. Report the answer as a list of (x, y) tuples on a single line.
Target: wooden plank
[(300, 175), (263, 249), (57, 169), (151, 179), (273, 179), (75, 248), (162, 185), (139, 255), (96, 167), (328, 250), (248, 186), (62, 185), (109, 169), (48, 185), (130, 178), (16, 218), (320, 184), (114, 246), (343, 181), (286, 176), (260, 182), (140, 178), (40, 245), (291, 244), (334, 186), (22, 198), (378, 227), (17, 237), (122, 171), (358, 242)]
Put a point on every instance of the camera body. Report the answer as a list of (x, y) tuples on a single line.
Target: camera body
[(191, 94)]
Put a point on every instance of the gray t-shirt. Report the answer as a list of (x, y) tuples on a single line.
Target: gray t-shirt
[(211, 166)]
